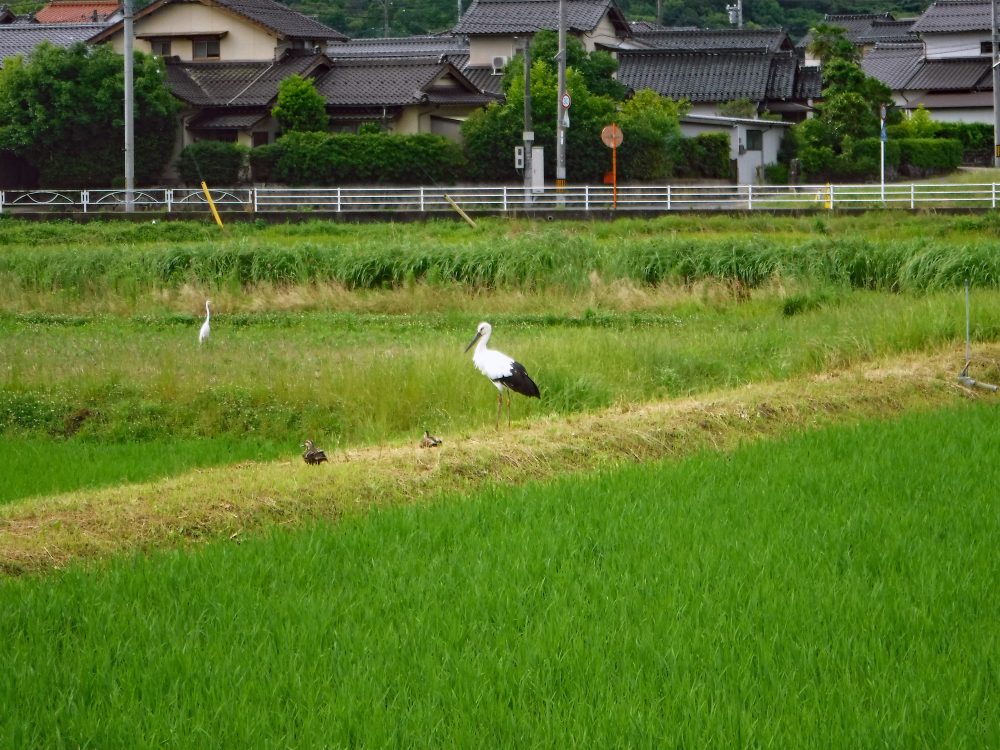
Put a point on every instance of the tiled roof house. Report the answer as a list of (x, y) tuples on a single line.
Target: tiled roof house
[(498, 29), (19, 39), (863, 30), (946, 69), (709, 67)]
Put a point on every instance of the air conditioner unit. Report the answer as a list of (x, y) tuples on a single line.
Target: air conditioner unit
[(498, 62)]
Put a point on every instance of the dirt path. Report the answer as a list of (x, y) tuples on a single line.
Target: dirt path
[(229, 502)]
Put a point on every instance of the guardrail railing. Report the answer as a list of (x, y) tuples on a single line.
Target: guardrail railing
[(505, 199)]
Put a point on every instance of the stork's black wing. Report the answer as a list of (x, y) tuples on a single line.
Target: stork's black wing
[(518, 380)]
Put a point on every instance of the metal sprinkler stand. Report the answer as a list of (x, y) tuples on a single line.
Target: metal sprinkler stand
[(964, 378)]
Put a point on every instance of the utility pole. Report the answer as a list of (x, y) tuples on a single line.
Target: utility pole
[(562, 112), (129, 117), (529, 136), (385, 18), (995, 62), (459, 10), (736, 14)]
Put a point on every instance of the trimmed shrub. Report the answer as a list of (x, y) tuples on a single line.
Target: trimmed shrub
[(215, 162), (370, 158), (920, 157), (704, 156)]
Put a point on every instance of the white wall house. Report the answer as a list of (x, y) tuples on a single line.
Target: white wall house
[(753, 143)]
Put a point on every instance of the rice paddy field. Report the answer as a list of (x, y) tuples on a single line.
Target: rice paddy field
[(752, 508)]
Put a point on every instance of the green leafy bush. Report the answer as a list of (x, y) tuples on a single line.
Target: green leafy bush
[(920, 157), (704, 156), (370, 158), (215, 162)]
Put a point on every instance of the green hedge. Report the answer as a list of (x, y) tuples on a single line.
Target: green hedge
[(704, 156), (215, 162), (369, 158), (923, 156)]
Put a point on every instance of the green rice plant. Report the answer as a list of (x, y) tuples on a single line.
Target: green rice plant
[(830, 590), (35, 467)]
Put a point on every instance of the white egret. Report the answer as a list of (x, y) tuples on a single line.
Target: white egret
[(312, 454), (203, 333), (504, 372)]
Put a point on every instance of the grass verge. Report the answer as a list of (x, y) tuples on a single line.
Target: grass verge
[(230, 502)]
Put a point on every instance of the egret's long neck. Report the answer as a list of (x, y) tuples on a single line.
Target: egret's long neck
[(208, 313)]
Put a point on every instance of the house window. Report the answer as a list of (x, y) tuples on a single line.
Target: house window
[(160, 47), (986, 48), (205, 49), (259, 138), (755, 140)]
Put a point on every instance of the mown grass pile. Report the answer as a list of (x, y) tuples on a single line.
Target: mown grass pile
[(833, 590)]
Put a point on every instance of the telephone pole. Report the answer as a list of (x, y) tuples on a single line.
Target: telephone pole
[(129, 116), (995, 62), (562, 112)]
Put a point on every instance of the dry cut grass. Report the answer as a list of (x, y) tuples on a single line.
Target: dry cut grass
[(48, 533)]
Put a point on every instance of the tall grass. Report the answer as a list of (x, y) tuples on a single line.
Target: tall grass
[(347, 378), (133, 260), (836, 590)]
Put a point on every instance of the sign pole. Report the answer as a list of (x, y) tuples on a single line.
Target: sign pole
[(611, 136)]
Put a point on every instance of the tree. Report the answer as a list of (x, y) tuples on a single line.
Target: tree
[(849, 113), (300, 107), (830, 43), (597, 68), (62, 110), (650, 125)]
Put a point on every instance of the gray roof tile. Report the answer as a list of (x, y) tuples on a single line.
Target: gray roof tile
[(290, 23), (688, 39), (20, 39), (955, 15), (235, 83), (698, 77), (952, 74), (893, 64), (525, 16), (396, 82), (410, 46)]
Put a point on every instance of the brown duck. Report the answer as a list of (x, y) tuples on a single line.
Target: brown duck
[(312, 454)]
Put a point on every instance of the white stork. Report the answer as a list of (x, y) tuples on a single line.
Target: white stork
[(505, 373)]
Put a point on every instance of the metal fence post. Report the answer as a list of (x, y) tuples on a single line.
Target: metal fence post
[(913, 196), (84, 197), (668, 197), (1, 201), (994, 191), (750, 196), (505, 199), (338, 201), (422, 209), (586, 197)]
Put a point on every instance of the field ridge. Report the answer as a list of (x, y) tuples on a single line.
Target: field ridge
[(44, 534)]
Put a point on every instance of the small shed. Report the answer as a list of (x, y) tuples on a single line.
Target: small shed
[(753, 143)]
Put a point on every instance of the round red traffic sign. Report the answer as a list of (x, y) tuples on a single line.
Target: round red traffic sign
[(611, 135)]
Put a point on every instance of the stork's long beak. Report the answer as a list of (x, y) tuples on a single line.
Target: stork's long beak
[(474, 340)]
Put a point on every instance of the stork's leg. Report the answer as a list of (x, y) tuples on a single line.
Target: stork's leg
[(508, 410), (499, 406)]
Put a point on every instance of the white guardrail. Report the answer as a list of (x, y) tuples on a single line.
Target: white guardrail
[(506, 199)]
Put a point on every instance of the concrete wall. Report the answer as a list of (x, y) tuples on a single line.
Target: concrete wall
[(964, 44)]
